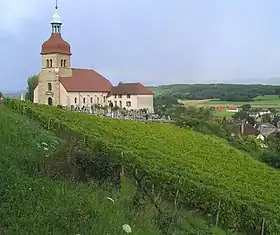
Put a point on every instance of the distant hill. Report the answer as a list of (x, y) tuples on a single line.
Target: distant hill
[(13, 94), (226, 92)]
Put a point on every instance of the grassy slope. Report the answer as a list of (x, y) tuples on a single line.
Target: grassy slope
[(207, 164), (34, 204)]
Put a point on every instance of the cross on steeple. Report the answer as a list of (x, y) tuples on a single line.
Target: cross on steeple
[(56, 4)]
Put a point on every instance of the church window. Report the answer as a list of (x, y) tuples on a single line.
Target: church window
[(49, 86), (84, 100), (97, 100), (64, 63), (91, 100), (48, 63), (76, 100), (61, 63)]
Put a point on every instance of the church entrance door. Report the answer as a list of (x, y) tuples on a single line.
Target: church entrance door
[(49, 101)]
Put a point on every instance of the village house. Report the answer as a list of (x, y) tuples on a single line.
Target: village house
[(59, 84), (234, 109)]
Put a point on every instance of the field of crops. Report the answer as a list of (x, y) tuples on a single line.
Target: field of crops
[(200, 171), (266, 101)]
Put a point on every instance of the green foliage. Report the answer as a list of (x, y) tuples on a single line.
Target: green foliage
[(204, 169), (31, 85), (226, 92), (35, 204), (246, 107)]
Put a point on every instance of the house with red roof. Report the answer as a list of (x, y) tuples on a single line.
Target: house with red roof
[(59, 84)]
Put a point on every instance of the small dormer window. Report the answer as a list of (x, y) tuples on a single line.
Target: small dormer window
[(128, 96), (120, 96)]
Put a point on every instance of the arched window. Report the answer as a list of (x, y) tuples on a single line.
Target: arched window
[(84, 100), (61, 63), (64, 63), (104, 99), (120, 103), (49, 86), (91, 100), (49, 101), (48, 63), (76, 100), (97, 100)]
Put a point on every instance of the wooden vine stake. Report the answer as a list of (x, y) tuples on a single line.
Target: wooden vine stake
[(263, 223), (49, 123), (177, 195), (218, 213), (136, 175)]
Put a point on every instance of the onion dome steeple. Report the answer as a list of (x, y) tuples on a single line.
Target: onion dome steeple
[(55, 44)]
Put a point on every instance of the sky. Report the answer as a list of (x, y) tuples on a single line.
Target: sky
[(150, 41)]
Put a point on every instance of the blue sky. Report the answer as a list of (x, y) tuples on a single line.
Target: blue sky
[(151, 41)]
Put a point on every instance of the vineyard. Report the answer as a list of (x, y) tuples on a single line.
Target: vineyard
[(198, 171)]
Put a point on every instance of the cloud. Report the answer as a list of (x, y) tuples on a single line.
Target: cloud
[(15, 13)]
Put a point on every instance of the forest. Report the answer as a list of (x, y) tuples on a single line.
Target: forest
[(224, 92)]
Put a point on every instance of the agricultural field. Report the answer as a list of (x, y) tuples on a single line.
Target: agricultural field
[(35, 203), (194, 170), (266, 101)]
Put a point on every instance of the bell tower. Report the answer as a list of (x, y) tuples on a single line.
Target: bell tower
[(56, 63)]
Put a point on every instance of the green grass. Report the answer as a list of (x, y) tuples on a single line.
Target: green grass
[(205, 169), (223, 113), (267, 101), (35, 204), (32, 203)]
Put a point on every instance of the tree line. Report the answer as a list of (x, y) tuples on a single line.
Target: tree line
[(224, 92)]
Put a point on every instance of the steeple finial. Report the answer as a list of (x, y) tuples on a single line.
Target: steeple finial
[(56, 22)]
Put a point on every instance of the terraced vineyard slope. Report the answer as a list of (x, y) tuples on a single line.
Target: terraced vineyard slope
[(36, 203), (198, 171)]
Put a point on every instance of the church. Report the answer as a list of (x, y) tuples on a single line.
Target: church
[(59, 84)]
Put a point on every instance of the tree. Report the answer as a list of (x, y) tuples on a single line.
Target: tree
[(31, 85), (241, 115), (246, 107)]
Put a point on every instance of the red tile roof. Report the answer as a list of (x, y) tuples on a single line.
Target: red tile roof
[(55, 44), (131, 89), (84, 80)]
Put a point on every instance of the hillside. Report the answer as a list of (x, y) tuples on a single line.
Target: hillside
[(200, 171), (225, 92), (36, 203)]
